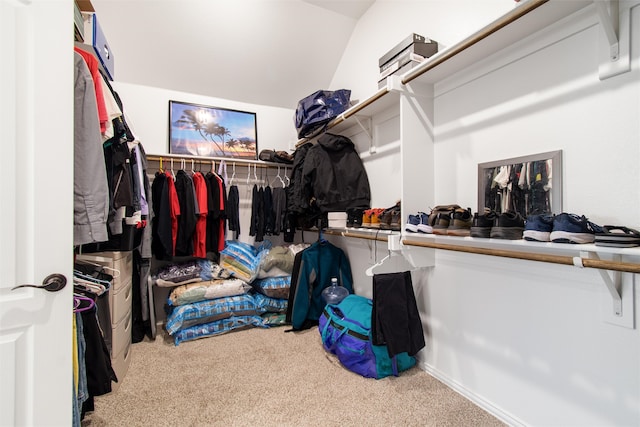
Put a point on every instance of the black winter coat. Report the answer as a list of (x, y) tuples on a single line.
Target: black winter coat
[(334, 175)]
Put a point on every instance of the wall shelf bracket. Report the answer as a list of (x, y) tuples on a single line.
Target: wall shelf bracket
[(615, 21), (367, 131), (609, 20), (612, 282), (618, 303)]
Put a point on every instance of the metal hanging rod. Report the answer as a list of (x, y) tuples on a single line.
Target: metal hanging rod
[(555, 259), (208, 160)]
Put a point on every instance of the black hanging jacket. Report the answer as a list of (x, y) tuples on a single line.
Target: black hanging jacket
[(334, 175)]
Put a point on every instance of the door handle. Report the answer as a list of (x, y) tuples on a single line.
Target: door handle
[(52, 283)]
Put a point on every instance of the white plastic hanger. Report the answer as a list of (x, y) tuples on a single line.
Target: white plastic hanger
[(286, 176), (392, 263), (233, 175)]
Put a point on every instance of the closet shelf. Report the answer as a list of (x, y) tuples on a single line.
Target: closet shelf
[(523, 20), (379, 101)]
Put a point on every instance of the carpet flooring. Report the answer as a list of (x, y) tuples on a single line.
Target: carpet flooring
[(267, 377)]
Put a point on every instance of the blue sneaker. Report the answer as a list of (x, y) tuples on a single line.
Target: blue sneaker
[(538, 228), (412, 223), (571, 228), (424, 226)]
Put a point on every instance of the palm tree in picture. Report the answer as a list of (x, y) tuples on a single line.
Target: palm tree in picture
[(214, 130), (194, 120)]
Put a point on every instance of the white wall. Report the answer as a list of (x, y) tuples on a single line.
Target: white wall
[(388, 22), (528, 341), (147, 110)]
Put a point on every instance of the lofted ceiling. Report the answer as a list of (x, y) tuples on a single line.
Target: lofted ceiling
[(268, 52)]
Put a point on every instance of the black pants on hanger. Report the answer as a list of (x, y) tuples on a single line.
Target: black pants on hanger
[(395, 321)]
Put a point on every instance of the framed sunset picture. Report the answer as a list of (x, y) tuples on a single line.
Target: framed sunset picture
[(199, 130)]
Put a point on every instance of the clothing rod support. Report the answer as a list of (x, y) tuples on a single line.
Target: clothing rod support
[(613, 284), (609, 20)]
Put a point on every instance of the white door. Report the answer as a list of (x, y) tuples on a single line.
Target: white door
[(36, 210)]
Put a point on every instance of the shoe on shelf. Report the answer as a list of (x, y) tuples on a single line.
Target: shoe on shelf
[(445, 209), (423, 226), (482, 223), (618, 236), (386, 217), (537, 228), (366, 218), (441, 223), (571, 228), (460, 222), (395, 219), (412, 223), (354, 217), (508, 225), (375, 217)]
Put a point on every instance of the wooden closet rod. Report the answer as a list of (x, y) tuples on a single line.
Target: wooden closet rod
[(382, 238), (555, 259)]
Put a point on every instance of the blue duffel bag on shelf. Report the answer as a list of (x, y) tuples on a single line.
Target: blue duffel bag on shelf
[(315, 111)]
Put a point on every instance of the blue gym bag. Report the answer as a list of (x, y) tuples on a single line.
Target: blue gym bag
[(345, 329)]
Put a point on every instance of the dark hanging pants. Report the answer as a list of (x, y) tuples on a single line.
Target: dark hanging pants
[(395, 321)]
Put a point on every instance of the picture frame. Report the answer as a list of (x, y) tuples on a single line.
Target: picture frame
[(204, 131)]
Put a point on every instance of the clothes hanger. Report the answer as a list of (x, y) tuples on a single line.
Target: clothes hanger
[(79, 300), (233, 175), (80, 276), (392, 263), (89, 286), (278, 177), (222, 170), (104, 267)]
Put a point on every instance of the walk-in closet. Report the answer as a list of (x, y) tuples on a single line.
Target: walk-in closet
[(454, 242)]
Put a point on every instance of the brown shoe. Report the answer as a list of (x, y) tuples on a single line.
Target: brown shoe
[(460, 224), (446, 209)]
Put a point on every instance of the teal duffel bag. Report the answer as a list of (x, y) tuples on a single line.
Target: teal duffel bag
[(345, 329)]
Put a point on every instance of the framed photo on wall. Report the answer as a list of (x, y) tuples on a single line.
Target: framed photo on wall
[(199, 130)]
